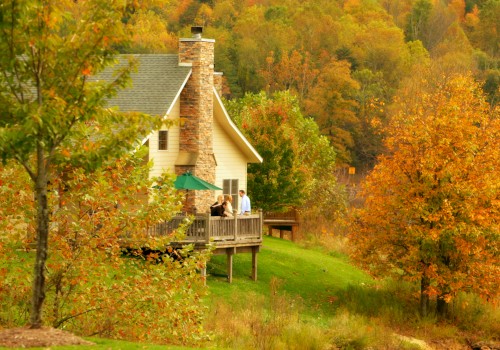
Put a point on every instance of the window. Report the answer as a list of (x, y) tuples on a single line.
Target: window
[(163, 140), (230, 186)]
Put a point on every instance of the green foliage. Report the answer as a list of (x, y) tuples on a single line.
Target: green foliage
[(92, 289), (370, 100), (418, 20), (298, 162), (486, 33), (324, 297), (277, 182), (53, 115)]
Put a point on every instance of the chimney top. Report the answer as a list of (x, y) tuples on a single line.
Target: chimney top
[(196, 31)]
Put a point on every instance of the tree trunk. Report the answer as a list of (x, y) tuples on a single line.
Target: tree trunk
[(424, 297), (441, 307), (42, 221)]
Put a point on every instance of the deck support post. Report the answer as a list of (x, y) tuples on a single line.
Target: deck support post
[(255, 250), (261, 223), (229, 254), (203, 273)]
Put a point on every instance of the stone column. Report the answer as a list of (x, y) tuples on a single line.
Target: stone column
[(196, 134)]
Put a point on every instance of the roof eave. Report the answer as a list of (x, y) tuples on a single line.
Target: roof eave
[(177, 96), (252, 155), (174, 101)]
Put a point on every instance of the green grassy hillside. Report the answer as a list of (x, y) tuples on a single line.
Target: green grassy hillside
[(307, 299), (309, 274)]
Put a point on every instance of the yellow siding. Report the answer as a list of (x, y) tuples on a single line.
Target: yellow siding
[(164, 161), (231, 162)]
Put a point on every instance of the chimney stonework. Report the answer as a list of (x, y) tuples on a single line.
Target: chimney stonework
[(196, 111)]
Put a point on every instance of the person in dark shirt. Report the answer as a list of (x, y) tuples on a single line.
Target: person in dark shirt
[(216, 209)]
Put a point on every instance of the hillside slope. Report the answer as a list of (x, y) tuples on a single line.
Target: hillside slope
[(310, 274)]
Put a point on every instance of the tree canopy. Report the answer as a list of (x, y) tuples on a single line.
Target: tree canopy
[(298, 162), (104, 275), (52, 114), (321, 51), (433, 201)]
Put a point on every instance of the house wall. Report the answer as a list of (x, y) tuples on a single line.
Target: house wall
[(164, 161), (201, 143), (231, 162)]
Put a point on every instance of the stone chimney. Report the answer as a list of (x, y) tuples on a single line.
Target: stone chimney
[(196, 112)]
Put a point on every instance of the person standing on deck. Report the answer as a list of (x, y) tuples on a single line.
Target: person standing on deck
[(245, 204), (229, 206), (216, 208)]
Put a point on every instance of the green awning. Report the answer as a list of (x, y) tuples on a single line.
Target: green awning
[(188, 181)]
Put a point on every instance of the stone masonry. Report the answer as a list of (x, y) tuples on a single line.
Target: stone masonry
[(196, 112)]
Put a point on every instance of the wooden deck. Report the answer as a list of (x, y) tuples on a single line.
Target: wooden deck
[(283, 221), (228, 235)]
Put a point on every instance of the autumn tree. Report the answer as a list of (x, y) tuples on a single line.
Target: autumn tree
[(331, 103), (92, 287), (417, 20), (294, 72), (298, 162), (149, 33), (432, 203), (486, 33), (49, 109)]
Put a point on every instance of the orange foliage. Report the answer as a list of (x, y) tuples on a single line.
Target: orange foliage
[(432, 205), (458, 6), (293, 72)]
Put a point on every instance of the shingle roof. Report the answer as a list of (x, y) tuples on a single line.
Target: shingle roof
[(155, 84)]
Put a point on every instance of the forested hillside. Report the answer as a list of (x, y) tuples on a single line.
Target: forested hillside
[(344, 60)]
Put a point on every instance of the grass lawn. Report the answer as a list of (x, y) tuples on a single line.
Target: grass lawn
[(336, 298), (311, 275), (106, 344)]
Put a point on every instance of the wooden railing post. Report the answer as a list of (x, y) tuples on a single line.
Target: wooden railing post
[(208, 228), (235, 225)]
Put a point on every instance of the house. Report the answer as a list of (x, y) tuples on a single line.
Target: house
[(206, 142)]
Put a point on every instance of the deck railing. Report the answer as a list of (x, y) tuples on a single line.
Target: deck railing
[(206, 228)]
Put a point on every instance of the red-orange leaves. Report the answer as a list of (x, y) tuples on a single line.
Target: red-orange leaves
[(86, 71), (431, 206)]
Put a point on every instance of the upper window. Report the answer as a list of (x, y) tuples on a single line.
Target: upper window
[(163, 140)]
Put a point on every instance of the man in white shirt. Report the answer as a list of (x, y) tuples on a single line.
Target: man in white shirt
[(245, 204)]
